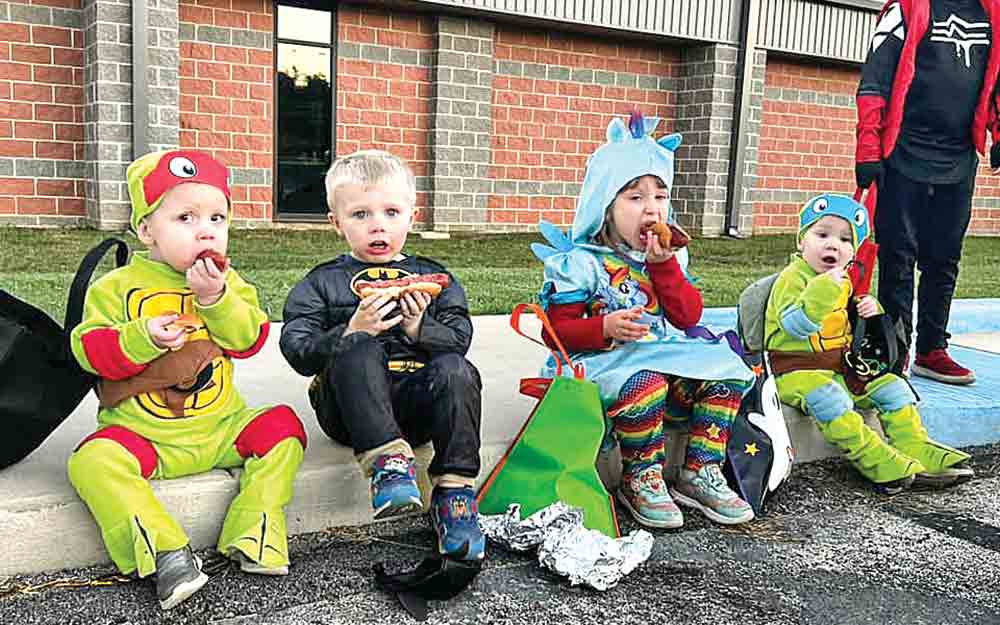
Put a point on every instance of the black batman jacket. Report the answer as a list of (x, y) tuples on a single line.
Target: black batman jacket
[(319, 308)]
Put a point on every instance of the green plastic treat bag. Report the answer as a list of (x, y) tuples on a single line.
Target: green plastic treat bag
[(553, 456)]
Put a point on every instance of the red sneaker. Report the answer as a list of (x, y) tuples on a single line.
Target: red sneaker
[(938, 365)]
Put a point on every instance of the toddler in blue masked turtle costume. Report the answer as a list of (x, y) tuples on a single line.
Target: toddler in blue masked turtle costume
[(807, 333), (621, 303)]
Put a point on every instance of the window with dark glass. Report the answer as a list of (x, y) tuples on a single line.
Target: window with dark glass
[(304, 107)]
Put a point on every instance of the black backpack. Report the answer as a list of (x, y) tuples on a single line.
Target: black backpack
[(41, 382)]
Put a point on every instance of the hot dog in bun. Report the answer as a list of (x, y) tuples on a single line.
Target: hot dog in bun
[(430, 283)]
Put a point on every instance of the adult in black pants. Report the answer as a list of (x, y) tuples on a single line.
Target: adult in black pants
[(926, 99)]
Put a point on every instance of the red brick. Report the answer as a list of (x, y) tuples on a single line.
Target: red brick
[(17, 186), (261, 92), (15, 71), (214, 71), (261, 22), (231, 55), (17, 148), (194, 14), (249, 108), (55, 149), (230, 124), (252, 74), (69, 95), (36, 206), (50, 36), (196, 51), (65, 188), (7, 206), (72, 206), (20, 33), (192, 86), (261, 57), (57, 75), (69, 132), (55, 113), (214, 140), (34, 130), (231, 19), (232, 159), (67, 56), (263, 161), (213, 105), (194, 121), (6, 129), (228, 89)]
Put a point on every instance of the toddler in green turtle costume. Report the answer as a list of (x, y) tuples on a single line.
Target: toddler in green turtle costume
[(161, 333), (807, 332)]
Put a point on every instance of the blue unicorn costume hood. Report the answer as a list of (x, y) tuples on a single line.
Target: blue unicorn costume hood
[(629, 153)]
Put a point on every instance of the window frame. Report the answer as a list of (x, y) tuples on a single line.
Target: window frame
[(322, 5)]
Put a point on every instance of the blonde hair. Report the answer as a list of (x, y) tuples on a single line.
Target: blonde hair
[(608, 235), (368, 167)]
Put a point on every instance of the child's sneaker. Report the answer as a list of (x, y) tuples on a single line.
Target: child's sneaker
[(249, 566), (707, 490), (894, 487), (394, 486), (455, 518), (646, 497), (952, 476), (178, 576)]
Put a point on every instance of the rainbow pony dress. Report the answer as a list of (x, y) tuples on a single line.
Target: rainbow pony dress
[(577, 270)]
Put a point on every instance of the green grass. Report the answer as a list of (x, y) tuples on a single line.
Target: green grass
[(497, 271)]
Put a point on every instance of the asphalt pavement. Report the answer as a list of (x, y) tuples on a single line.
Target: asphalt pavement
[(829, 551)]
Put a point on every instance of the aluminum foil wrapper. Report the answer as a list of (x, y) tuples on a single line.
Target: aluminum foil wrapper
[(566, 547)]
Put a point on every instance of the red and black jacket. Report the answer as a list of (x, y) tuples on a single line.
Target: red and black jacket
[(880, 118)]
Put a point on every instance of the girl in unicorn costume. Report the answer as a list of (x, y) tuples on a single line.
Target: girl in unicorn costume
[(623, 306)]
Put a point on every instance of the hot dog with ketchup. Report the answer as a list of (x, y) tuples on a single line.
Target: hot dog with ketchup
[(221, 262), (430, 283)]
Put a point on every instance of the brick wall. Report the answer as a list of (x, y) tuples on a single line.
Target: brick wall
[(227, 94), (384, 88), (553, 96), (42, 178), (806, 139)]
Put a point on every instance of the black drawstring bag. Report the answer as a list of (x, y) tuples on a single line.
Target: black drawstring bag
[(40, 381)]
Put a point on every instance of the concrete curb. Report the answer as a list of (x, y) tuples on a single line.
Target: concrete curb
[(47, 527)]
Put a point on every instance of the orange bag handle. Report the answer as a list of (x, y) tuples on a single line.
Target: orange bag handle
[(515, 323)]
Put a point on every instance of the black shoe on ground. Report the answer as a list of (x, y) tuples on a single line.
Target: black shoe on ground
[(178, 576)]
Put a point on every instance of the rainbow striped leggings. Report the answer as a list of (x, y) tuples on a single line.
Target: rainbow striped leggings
[(648, 399)]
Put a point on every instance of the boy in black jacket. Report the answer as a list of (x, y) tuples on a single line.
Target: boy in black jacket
[(390, 373)]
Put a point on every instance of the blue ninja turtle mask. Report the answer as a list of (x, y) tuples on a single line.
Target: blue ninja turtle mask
[(629, 153), (839, 206)]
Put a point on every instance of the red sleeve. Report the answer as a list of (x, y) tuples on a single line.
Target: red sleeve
[(869, 130), (576, 332), (681, 302), (104, 352)]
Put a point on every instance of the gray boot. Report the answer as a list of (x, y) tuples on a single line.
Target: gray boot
[(178, 576)]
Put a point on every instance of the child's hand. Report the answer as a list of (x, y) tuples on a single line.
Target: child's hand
[(656, 253), (370, 315), (839, 274), (206, 281), (622, 325), (867, 307), (164, 337), (413, 305)]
